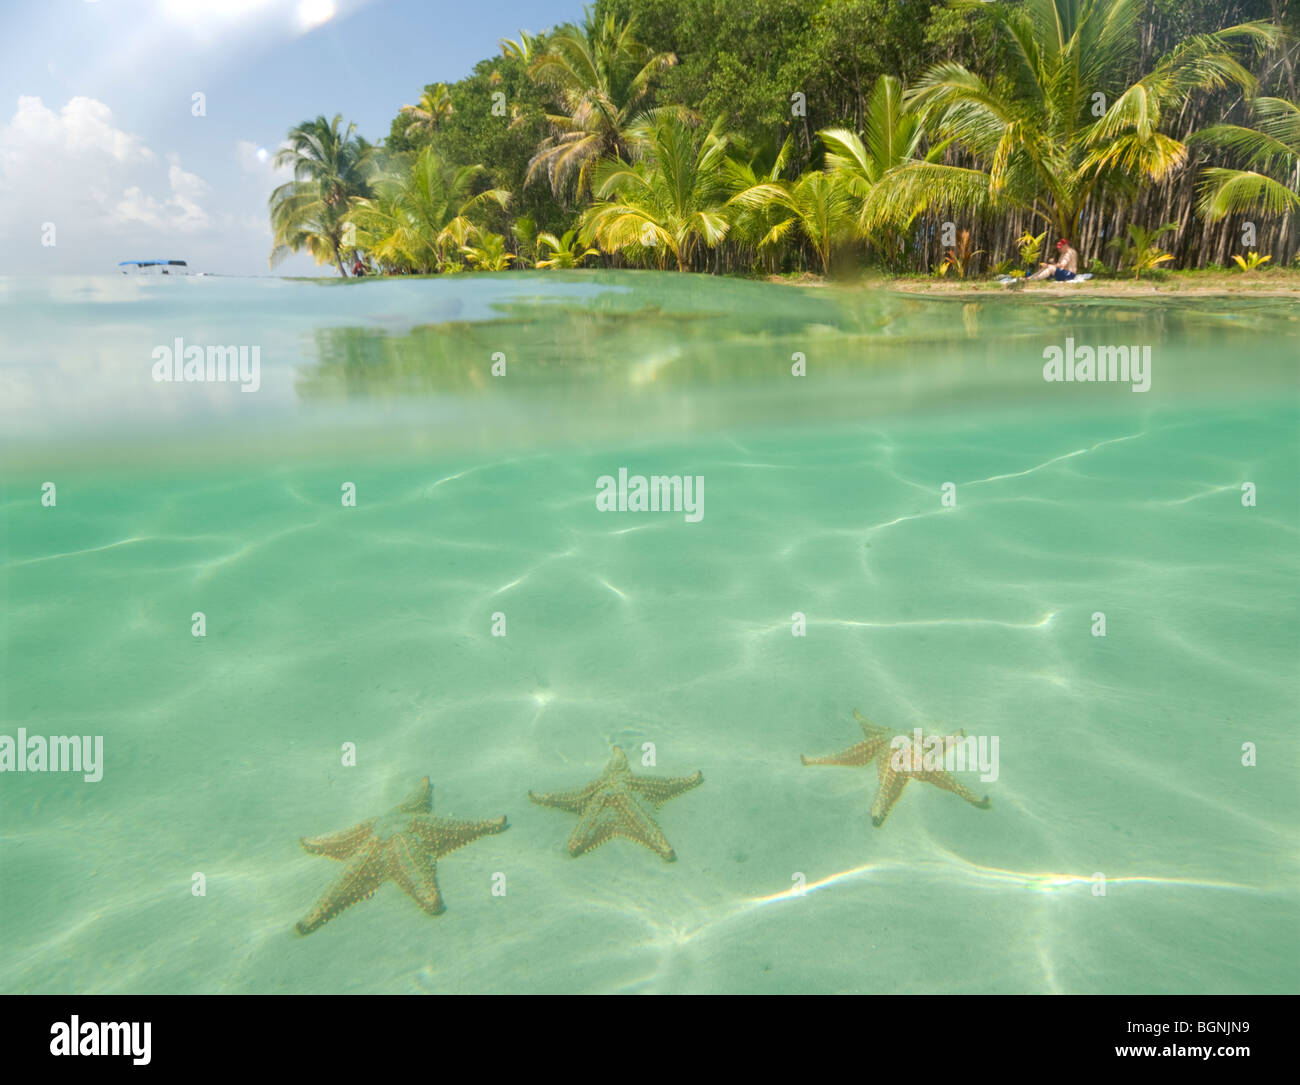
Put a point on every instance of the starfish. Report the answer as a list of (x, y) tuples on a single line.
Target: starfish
[(402, 845), (894, 767), (611, 805)]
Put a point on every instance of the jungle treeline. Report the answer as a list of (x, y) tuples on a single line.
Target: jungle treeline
[(951, 137)]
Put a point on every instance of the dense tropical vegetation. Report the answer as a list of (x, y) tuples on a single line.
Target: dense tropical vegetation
[(788, 135)]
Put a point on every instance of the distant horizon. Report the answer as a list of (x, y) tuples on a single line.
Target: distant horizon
[(123, 169)]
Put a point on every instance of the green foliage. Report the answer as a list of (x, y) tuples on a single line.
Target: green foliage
[(1272, 151), (524, 229), (1251, 262), (1031, 248), (602, 76), (563, 252), (423, 210), (502, 142), (817, 205), (489, 254), (330, 169), (961, 256), (744, 61), (432, 112), (668, 201), (1140, 251), (777, 133), (1041, 137)]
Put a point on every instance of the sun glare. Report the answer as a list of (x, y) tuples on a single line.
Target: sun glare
[(312, 13)]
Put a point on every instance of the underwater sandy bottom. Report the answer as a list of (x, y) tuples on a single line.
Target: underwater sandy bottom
[(1118, 755)]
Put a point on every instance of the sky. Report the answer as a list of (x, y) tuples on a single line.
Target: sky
[(145, 129)]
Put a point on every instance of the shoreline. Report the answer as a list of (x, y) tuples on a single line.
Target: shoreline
[(1276, 284), (1283, 284)]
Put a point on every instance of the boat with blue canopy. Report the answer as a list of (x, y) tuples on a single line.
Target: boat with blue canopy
[(154, 267)]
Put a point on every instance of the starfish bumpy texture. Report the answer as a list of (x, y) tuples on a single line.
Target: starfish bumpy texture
[(402, 845), (890, 779), (614, 805)]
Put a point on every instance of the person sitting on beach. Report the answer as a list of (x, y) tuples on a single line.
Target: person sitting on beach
[(1064, 267)]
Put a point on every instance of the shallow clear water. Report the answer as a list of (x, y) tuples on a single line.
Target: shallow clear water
[(1119, 756)]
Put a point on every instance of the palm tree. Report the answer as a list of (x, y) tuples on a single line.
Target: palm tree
[(826, 206), (524, 229), (753, 220), (524, 48), (1140, 251), (1033, 131), (1273, 148), (602, 76), (892, 138), (667, 201), (420, 213), (489, 254), (817, 204), (434, 108), (565, 252), (330, 168)]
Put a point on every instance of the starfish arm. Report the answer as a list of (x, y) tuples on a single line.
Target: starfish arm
[(594, 828), (363, 876), (619, 815), (870, 730), (414, 869), (420, 801), (856, 756), (339, 845), (443, 835), (658, 790), (951, 783), (572, 801), (891, 784)]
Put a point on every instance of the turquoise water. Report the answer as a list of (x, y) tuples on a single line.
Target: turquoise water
[(1119, 756)]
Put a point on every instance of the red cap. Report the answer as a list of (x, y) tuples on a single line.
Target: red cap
[(1063, 241)]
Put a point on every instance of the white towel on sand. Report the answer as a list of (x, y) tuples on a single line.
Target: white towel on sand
[(1007, 280)]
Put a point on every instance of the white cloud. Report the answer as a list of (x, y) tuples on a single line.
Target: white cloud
[(82, 127), (99, 185), (246, 154), (186, 190), (179, 213)]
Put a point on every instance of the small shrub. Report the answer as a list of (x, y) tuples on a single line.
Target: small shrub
[(1252, 262)]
